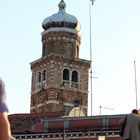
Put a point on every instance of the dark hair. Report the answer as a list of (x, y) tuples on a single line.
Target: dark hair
[(135, 111)]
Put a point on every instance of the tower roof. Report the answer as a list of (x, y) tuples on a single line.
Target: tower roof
[(61, 19)]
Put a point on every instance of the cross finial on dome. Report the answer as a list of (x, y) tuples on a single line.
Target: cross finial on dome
[(62, 5)]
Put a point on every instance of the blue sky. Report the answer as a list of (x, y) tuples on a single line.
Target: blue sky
[(115, 46)]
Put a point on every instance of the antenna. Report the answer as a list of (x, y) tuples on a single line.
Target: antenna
[(102, 107), (135, 84), (92, 1), (90, 49)]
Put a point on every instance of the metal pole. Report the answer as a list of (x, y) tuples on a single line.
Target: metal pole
[(90, 55), (100, 109), (64, 134), (135, 84), (90, 48)]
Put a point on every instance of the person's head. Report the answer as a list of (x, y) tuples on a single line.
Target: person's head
[(135, 111)]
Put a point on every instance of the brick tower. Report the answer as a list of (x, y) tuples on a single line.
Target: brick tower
[(60, 77)]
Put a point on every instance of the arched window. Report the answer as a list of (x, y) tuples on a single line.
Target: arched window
[(74, 76), (44, 75), (66, 74), (39, 77)]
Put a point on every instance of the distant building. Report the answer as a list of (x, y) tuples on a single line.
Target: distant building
[(59, 89)]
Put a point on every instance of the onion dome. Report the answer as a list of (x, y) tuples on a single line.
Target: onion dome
[(61, 19)]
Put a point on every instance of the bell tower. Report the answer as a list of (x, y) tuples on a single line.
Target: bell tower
[(60, 77)]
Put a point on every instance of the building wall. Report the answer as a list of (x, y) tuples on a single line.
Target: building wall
[(54, 60)]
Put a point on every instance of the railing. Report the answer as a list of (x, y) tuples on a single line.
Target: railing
[(68, 135), (74, 85), (41, 85)]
